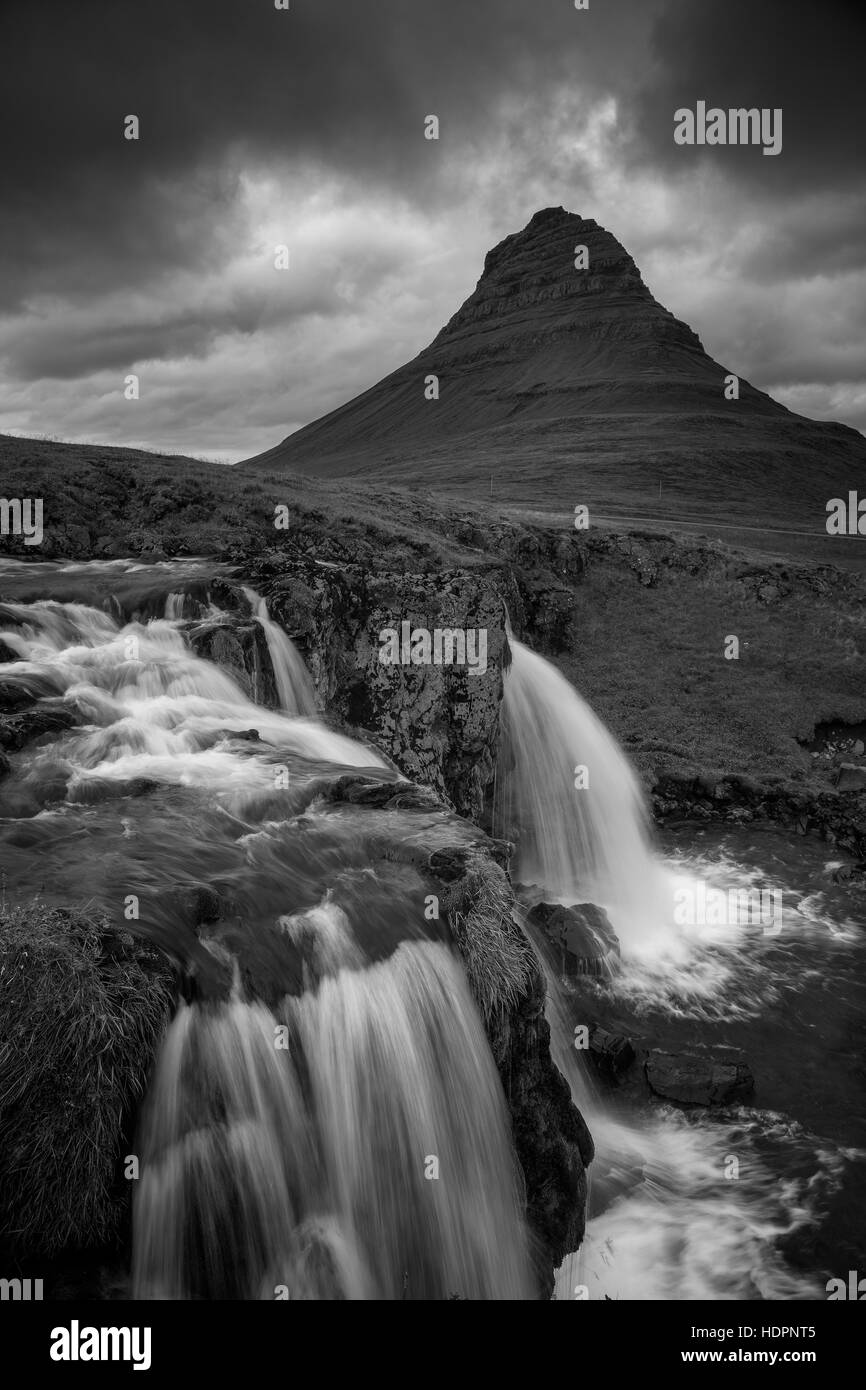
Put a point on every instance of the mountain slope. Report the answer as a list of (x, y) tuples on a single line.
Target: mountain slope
[(551, 376)]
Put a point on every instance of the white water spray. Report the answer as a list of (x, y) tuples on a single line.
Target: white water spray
[(571, 797), (294, 687), (664, 1223), (371, 1159)]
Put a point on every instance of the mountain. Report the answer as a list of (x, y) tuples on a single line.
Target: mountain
[(559, 385)]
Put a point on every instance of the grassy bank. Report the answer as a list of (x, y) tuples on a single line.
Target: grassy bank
[(81, 1014)]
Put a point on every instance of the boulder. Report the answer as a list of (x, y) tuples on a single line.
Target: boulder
[(581, 937), (611, 1053), (851, 874), (851, 777), (92, 790), (18, 729), (452, 862), (717, 1077), (14, 696), (370, 791), (241, 648)]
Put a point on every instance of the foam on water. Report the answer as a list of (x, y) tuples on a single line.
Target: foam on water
[(294, 686), (577, 844), (154, 709), (669, 1217), (307, 1169), (370, 1157)]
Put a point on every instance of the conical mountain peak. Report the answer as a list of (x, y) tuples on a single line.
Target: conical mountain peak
[(561, 363)]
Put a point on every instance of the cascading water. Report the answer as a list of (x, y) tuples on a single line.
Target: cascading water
[(294, 687), (325, 1119), (369, 1159), (568, 792), (332, 1051), (665, 1220)]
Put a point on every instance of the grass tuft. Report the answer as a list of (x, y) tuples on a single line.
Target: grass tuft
[(82, 1009), (499, 961)]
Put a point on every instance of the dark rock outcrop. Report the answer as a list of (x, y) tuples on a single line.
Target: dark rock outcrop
[(14, 697), (439, 722), (712, 1078), (551, 1137), (18, 729), (837, 815), (611, 1053), (581, 937), (241, 648)]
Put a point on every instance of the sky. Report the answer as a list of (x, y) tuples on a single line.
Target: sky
[(304, 127)]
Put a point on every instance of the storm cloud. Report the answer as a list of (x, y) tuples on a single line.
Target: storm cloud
[(262, 127)]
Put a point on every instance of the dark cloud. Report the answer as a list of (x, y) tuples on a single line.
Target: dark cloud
[(818, 240), (220, 85), (260, 125), (801, 56)]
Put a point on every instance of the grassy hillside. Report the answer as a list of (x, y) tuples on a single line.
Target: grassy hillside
[(636, 619)]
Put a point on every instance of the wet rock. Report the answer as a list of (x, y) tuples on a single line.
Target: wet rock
[(611, 1053), (5, 764), (192, 904), (92, 790), (581, 937), (241, 648), (716, 1077), (414, 798), (454, 861), (215, 736), (370, 791), (14, 697), (838, 814), (438, 722), (553, 1143), (851, 873), (202, 903), (6, 652), (18, 729), (551, 1139)]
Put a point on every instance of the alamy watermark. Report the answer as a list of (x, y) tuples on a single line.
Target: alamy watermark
[(22, 516), (21, 1290), (77, 1343), (702, 906), (444, 646), (854, 1290), (846, 516), (737, 126)]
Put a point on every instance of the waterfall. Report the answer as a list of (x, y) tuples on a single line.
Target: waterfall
[(568, 794), (370, 1159), (325, 1119), (174, 606), (294, 687), (662, 1221), (152, 708)]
